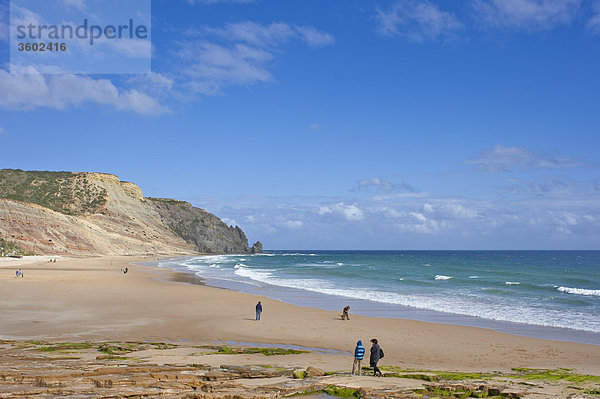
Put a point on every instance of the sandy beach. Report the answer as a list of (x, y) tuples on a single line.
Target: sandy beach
[(76, 300)]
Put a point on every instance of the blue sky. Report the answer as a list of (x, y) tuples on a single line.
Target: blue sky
[(343, 124)]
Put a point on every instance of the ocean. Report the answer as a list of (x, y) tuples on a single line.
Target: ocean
[(545, 294)]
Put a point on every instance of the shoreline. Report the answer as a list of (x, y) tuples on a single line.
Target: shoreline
[(88, 299), (369, 308)]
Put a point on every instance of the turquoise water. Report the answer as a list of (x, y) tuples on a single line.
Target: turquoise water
[(550, 289)]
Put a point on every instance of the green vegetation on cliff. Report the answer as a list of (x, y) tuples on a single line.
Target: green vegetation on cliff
[(167, 201), (10, 248), (65, 192)]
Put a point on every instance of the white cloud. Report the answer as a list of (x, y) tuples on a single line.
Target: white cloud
[(273, 34), (153, 81), (389, 212), (416, 222), (375, 183), (237, 54), (567, 221), (506, 159), (211, 66), (548, 186), (349, 212), (4, 27), (255, 34), (78, 4), (418, 21), (380, 185), (314, 37), (131, 48), (33, 90), (443, 216), (393, 196), (294, 224), (450, 210), (594, 23), (526, 14)]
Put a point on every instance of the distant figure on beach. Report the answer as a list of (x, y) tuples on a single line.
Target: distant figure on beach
[(124, 270), (359, 353), (19, 273), (258, 310), (376, 354), (345, 313)]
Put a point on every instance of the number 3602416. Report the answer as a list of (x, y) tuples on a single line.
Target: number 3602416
[(42, 46)]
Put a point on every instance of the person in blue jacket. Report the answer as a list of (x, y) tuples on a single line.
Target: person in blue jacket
[(359, 353), (258, 310)]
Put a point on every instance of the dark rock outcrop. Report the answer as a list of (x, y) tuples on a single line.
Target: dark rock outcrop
[(205, 231), (257, 248)]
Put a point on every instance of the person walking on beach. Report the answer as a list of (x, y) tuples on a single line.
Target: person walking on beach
[(19, 273), (258, 310), (376, 354), (345, 313), (359, 353)]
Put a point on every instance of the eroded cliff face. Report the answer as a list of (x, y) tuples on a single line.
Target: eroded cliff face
[(97, 214), (204, 230)]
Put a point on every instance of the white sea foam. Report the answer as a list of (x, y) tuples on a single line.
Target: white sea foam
[(426, 264), (512, 283), (340, 264), (464, 302), (253, 274), (579, 291), (469, 304)]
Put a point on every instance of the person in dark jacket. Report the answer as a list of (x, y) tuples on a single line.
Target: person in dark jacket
[(375, 350), (258, 310), (359, 353)]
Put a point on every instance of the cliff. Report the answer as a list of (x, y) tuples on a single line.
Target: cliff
[(207, 232), (97, 214)]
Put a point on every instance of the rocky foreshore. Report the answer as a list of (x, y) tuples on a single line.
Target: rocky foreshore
[(139, 369)]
